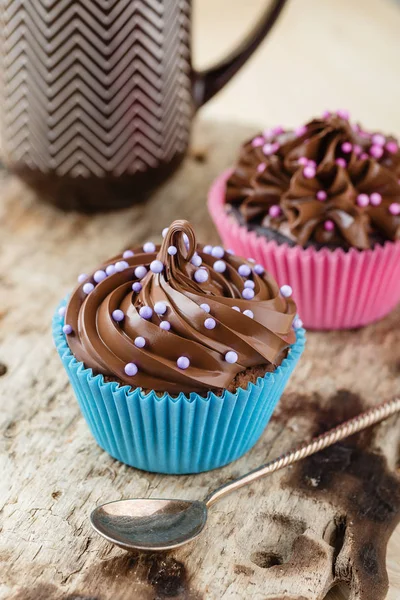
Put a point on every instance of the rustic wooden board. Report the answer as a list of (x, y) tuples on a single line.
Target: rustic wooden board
[(293, 536)]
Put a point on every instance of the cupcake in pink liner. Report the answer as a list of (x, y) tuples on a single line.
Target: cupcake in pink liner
[(319, 208)]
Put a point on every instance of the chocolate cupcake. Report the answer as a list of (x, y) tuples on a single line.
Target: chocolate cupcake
[(178, 354), (327, 192)]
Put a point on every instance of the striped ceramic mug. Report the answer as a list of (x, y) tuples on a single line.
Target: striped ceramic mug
[(97, 96)]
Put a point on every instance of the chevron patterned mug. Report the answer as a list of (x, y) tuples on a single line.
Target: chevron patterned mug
[(98, 96)]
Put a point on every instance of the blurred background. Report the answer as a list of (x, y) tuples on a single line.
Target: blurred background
[(321, 54)]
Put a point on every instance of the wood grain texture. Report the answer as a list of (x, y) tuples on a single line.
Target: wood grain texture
[(289, 537)]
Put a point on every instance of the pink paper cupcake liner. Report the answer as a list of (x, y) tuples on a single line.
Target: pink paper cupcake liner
[(332, 289)]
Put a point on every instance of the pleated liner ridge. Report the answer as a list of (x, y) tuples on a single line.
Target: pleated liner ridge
[(332, 289), (187, 434)]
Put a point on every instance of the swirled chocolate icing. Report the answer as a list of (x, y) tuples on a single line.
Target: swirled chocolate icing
[(327, 183), (190, 326)]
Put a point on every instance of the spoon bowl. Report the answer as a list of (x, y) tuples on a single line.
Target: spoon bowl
[(149, 524)]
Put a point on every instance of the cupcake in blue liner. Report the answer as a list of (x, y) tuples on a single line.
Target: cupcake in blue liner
[(179, 353)]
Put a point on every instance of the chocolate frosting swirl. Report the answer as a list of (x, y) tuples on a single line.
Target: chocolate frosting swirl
[(258, 338), (306, 184)]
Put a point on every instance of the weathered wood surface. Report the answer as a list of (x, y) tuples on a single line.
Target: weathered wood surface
[(291, 537)]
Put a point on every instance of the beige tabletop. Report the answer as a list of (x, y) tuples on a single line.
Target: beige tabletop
[(323, 54)]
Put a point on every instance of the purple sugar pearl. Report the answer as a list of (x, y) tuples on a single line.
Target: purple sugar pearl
[(156, 266), (136, 287), (297, 323), (219, 266), (183, 362), (165, 325), (128, 254), (249, 313), (286, 291), (249, 284), (205, 307), (392, 147), (248, 294), (131, 369), (257, 141), (347, 147), (139, 342), (121, 265), (322, 195), (149, 247), (274, 211), (362, 200), (185, 239), (100, 275), (341, 162), (110, 270), (118, 315), (251, 260), (207, 249), (376, 151), (375, 199), (196, 260), (164, 232), (231, 357), (62, 310), (87, 288), (236, 308), (259, 269), (67, 329), (394, 208), (244, 270), (217, 252), (146, 312), (82, 277), (329, 225), (140, 272), (160, 308), (201, 275), (172, 250), (210, 323), (378, 139)]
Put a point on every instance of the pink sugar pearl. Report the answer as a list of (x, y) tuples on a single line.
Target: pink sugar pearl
[(376, 151), (394, 208), (257, 141), (329, 225), (274, 211), (322, 195), (378, 139), (364, 156), (375, 199), (362, 200), (392, 147), (299, 131), (309, 172), (341, 162), (347, 147), (303, 161), (357, 149), (261, 167), (343, 114)]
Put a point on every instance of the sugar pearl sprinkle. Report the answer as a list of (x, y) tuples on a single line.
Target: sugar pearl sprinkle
[(341, 162), (118, 315), (201, 275), (164, 231), (363, 200), (347, 147), (87, 288), (248, 294), (183, 362), (219, 266), (205, 307), (376, 151), (258, 269), (207, 249), (140, 272), (139, 342), (172, 250), (62, 310), (286, 291), (309, 172), (196, 260), (110, 270), (322, 195), (375, 199), (394, 208), (210, 323), (249, 284), (236, 308), (128, 254), (297, 323), (274, 211), (99, 275), (244, 270), (329, 225), (130, 369), (146, 312), (165, 325), (249, 313), (136, 287), (149, 247), (156, 266), (217, 252), (231, 357), (67, 329), (82, 277), (121, 265), (160, 308)]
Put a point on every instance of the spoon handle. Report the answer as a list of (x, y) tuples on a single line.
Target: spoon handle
[(346, 429)]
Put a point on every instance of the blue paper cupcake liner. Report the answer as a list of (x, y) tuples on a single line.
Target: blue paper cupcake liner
[(186, 434)]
